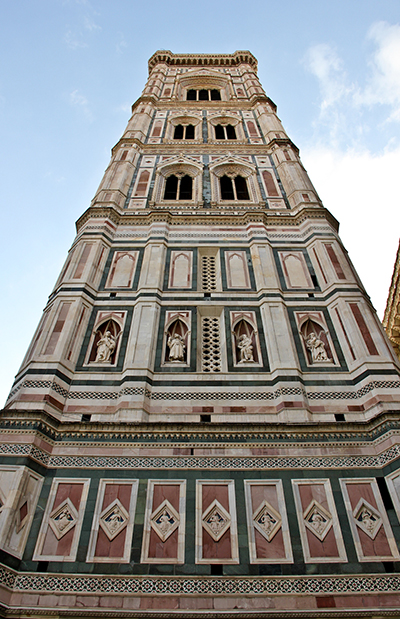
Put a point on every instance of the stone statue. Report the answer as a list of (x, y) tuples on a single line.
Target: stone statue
[(176, 348), (317, 348), (105, 347), (246, 349)]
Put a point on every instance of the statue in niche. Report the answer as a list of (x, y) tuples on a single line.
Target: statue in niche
[(105, 347), (177, 347), (317, 348), (245, 346)]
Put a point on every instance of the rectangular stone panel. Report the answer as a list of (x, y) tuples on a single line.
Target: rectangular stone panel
[(369, 523), (112, 526), (62, 521), (216, 525), (164, 522), (320, 534), (19, 492), (267, 523)]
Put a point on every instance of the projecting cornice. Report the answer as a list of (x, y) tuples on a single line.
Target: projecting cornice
[(193, 60), (213, 217)]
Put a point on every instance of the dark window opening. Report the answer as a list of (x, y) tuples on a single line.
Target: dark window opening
[(217, 570), (171, 188), (219, 132), (226, 188), (241, 188), (207, 295), (339, 417), (189, 132), (205, 418), (230, 132), (185, 189), (178, 133), (42, 566), (86, 417), (203, 95), (388, 566), (113, 295), (314, 280), (178, 188), (383, 489)]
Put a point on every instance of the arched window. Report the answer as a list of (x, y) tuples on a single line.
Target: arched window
[(234, 189), (225, 133), (178, 188), (184, 132)]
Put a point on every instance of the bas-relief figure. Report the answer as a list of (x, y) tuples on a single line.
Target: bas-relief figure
[(177, 348), (105, 347), (317, 347)]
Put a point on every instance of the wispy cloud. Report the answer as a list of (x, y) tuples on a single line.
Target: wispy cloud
[(121, 44), (74, 41), (324, 62), (79, 101), (383, 82)]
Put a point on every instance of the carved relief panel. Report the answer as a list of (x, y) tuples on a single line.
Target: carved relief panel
[(19, 492), (164, 523), (320, 533), (62, 521), (112, 526), (216, 526), (369, 523), (267, 523)]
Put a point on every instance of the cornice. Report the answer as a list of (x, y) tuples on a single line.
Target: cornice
[(176, 104), (209, 217), (202, 60)]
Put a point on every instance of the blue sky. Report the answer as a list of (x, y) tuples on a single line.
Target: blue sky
[(72, 68)]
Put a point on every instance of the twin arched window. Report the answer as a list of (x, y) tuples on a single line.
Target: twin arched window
[(178, 187), (234, 188), (184, 132), (226, 132)]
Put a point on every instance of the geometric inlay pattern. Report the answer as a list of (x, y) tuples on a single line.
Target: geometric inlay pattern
[(367, 518), (164, 520), (317, 519), (216, 520), (63, 518), (267, 520), (113, 519)]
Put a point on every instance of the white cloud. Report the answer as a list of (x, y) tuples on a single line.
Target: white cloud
[(383, 83), (360, 189), (80, 101), (90, 25), (323, 62), (121, 45), (73, 41)]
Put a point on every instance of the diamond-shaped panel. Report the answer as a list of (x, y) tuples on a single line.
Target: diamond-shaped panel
[(216, 520), (318, 520), (267, 520), (367, 518), (63, 518), (164, 520), (113, 519)]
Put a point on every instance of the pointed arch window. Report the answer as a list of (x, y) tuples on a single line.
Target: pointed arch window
[(234, 188), (178, 187)]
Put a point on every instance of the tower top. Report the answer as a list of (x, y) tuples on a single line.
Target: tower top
[(193, 60)]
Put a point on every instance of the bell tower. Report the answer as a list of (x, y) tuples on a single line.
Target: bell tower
[(207, 418)]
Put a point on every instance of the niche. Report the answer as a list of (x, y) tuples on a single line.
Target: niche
[(105, 343), (177, 341), (316, 343), (245, 344)]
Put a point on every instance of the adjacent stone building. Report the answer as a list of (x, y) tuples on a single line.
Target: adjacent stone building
[(207, 420), (391, 320)]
